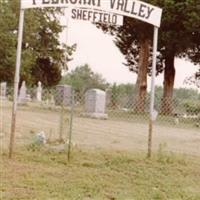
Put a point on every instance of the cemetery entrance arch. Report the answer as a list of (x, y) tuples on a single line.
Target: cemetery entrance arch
[(106, 11)]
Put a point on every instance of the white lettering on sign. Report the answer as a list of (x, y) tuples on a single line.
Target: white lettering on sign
[(131, 8)]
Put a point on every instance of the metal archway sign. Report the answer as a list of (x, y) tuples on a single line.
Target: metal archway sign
[(130, 8)]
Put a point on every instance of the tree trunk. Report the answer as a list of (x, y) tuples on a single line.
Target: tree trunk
[(141, 84), (169, 76)]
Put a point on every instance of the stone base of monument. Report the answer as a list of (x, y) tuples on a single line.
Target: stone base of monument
[(3, 98), (2, 134), (24, 101), (95, 115)]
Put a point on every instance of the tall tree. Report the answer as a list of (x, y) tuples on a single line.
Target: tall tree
[(181, 22), (8, 24), (43, 57), (179, 37), (134, 41)]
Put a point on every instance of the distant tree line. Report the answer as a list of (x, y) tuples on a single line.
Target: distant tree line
[(83, 78)]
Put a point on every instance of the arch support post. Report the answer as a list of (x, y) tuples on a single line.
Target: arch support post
[(153, 113), (16, 83)]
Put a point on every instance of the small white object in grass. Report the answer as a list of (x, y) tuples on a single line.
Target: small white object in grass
[(176, 121), (198, 125), (40, 138), (185, 116), (125, 109), (73, 144), (154, 115)]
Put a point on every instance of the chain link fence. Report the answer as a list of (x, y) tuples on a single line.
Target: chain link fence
[(101, 119)]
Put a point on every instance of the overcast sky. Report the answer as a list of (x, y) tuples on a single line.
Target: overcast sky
[(98, 50)]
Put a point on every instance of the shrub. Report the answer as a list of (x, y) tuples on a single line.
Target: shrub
[(192, 107)]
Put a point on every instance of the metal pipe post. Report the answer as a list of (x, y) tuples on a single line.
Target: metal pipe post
[(70, 126), (152, 99), (16, 82)]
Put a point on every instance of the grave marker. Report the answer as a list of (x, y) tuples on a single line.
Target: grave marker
[(39, 92), (63, 95), (22, 98), (95, 104)]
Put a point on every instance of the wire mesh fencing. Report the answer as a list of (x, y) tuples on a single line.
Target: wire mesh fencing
[(35, 114), (101, 119)]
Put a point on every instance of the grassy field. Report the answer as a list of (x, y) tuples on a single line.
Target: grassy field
[(38, 174), (108, 159)]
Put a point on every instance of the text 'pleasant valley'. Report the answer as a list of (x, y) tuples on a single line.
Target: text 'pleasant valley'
[(131, 8)]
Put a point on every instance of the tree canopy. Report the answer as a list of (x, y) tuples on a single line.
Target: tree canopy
[(179, 36), (43, 57), (83, 78), (179, 33)]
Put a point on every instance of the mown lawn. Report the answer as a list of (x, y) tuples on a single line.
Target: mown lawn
[(98, 174)]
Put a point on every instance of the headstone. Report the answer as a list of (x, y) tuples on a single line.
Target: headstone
[(3, 88), (39, 92), (63, 95), (52, 101), (95, 103), (22, 94)]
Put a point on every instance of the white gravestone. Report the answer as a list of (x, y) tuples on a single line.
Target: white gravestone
[(95, 104), (39, 92), (3, 88), (63, 95), (22, 94)]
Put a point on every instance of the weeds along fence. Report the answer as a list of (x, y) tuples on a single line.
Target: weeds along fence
[(98, 119)]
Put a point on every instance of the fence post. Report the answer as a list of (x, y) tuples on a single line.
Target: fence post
[(61, 123), (71, 125)]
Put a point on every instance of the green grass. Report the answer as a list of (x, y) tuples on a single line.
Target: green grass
[(98, 174)]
